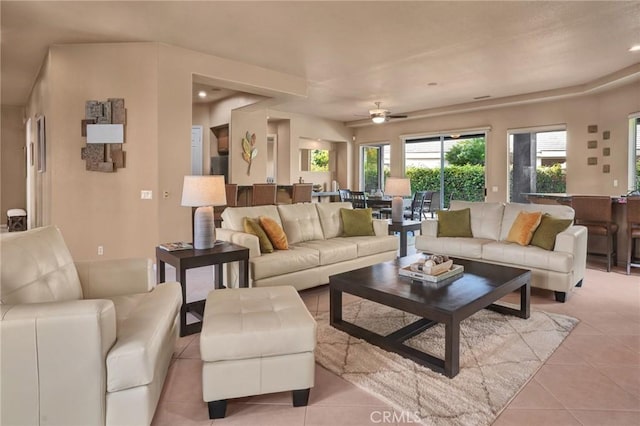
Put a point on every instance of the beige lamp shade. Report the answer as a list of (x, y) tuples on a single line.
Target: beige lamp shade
[(397, 188), (208, 190), (203, 192)]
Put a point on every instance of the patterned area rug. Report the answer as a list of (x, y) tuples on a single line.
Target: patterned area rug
[(498, 355)]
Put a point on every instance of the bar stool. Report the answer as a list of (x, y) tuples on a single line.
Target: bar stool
[(263, 194), (301, 193), (16, 220), (231, 192), (595, 213), (633, 231)]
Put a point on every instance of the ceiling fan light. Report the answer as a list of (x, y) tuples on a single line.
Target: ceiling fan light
[(378, 119)]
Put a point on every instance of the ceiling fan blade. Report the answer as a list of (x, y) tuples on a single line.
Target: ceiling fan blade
[(397, 116)]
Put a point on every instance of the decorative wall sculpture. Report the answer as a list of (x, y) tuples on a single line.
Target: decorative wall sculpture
[(249, 151), (104, 157)]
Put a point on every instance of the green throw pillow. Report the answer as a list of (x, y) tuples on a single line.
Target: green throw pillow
[(252, 226), (545, 235), (356, 222), (454, 223)]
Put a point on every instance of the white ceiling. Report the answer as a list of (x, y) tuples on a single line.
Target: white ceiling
[(352, 53)]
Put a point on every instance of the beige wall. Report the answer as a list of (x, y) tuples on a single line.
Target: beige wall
[(13, 160), (200, 117), (609, 110)]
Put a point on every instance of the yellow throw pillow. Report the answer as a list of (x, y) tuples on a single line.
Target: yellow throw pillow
[(523, 227), (274, 232), (251, 226), (356, 222), (454, 223)]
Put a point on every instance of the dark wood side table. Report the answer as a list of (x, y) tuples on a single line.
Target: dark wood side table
[(223, 252), (403, 228)]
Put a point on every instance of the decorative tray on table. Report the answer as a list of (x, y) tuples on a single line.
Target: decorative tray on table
[(427, 271)]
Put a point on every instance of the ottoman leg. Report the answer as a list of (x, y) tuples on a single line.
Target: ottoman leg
[(217, 409), (300, 397)]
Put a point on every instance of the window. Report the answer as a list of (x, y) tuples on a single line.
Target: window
[(452, 165), (375, 162), (634, 152), (537, 160)]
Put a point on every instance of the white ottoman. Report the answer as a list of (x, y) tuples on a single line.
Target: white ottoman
[(256, 341)]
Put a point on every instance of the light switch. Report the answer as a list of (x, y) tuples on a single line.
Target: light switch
[(146, 195), (494, 189)]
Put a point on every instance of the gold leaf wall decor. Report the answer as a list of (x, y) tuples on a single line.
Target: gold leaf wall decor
[(249, 151)]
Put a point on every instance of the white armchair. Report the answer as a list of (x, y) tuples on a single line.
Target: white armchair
[(81, 344)]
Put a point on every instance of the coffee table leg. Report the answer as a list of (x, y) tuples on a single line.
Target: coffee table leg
[(525, 295), (452, 349), (335, 305)]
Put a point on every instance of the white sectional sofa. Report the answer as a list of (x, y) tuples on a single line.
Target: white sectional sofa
[(84, 343), (317, 248), (560, 269)]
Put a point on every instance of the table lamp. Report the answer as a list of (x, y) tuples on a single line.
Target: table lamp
[(203, 192), (397, 188)]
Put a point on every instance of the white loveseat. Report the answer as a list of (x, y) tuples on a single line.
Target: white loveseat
[(82, 344), (317, 248), (560, 269)]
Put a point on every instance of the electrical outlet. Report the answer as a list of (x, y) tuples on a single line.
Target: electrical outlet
[(100, 250), (615, 182), (165, 194), (494, 189), (146, 195)]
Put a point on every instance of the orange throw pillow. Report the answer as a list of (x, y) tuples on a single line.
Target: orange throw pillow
[(523, 227), (274, 232)]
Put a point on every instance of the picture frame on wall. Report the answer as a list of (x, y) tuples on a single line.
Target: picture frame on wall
[(41, 144)]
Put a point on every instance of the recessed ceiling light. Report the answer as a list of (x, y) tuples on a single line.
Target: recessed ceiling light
[(433, 83), (482, 97), (634, 48), (202, 94)]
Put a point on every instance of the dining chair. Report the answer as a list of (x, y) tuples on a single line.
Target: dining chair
[(434, 203), (345, 194), (633, 232), (358, 199), (263, 194), (595, 213), (301, 193), (416, 210)]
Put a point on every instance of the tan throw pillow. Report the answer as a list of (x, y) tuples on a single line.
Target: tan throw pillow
[(550, 227), (454, 223), (356, 222), (274, 232), (523, 227), (251, 226)]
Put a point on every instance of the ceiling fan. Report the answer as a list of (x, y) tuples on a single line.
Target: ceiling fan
[(380, 115)]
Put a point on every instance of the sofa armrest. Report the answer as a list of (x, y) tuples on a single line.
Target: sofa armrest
[(380, 227), (244, 239), (574, 240), (119, 277), (429, 228), (53, 361)]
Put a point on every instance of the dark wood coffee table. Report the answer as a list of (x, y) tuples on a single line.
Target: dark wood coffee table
[(481, 285)]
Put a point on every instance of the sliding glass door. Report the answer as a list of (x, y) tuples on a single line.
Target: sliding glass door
[(452, 165)]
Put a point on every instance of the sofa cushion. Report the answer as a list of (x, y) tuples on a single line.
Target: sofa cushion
[(330, 218), (143, 320), (374, 245), (523, 227), (470, 248), (275, 233), (232, 216), (485, 217), (252, 226), (549, 228), (527, 257), (455, 223), (37, 267), (357, 222), (511, 211), (300, 222), (334, 250), (283, 262)]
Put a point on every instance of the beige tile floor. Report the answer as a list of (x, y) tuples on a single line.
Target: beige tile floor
[(593, 378)]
